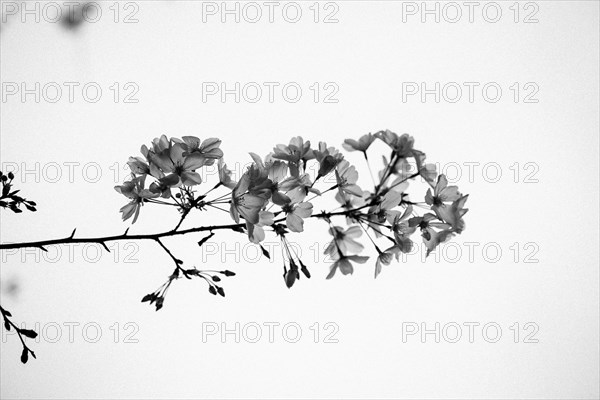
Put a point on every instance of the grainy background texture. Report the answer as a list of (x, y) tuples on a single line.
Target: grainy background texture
[(528, 157)]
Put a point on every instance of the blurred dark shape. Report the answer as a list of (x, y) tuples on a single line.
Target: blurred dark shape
[(10, 287), (72, 18)]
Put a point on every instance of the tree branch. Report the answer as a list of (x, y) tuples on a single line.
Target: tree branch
[(20, 332), (152, 236)]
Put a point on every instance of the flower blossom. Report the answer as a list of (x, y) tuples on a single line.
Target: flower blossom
[(361, 144), (449, 213), (346, 177), (295, 214), (135, 191), (343, 241), (343, 263), (298, 150), (328, 158), (207, 149), (402, 145), (401, 228), (431, 237), (256, 232)]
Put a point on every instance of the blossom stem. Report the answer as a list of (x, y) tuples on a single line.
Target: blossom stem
[(218, 202), (214, 187), (176, 201), (404, 180), (369, 236), (175, 260), (386, 173), (185, 213), (220, 197), (370, 171), (369, 222), (294, 250), (160, 202), (322, 193), (218, 208)]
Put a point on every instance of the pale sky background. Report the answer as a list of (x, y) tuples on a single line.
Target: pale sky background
[(368, 54)]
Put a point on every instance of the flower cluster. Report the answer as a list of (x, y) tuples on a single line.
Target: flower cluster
[(211, 277), (276, 193), (387, 211), (9, 198), (172, 164)]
